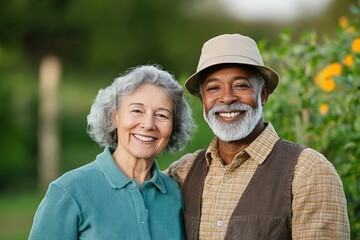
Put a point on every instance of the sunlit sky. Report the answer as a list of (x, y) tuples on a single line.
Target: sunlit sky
[(274, 10)]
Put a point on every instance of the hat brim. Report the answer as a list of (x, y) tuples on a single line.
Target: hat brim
[(270, 76)]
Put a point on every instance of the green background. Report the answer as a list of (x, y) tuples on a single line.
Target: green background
[(98, 40)]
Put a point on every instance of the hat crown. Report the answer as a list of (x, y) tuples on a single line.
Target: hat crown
[(234, 49), (232, 46)]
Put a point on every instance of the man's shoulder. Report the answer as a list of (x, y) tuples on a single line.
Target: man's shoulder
[(180, 168), (313, 157), (187, 160), (311, 163), (308, 156), (190, 157)]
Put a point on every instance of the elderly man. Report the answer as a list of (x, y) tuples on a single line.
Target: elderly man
[(250, 183)]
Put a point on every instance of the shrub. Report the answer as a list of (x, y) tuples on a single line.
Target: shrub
[(317, 103)]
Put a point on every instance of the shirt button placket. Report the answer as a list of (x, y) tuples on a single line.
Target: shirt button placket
[(141, 212)]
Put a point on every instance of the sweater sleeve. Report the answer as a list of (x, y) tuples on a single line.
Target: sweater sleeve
[(57, 216)]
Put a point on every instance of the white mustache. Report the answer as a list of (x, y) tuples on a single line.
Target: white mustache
[(232, 107), (237, 130)]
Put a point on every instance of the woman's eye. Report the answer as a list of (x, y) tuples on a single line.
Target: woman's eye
[(162, 116), (136, 111)]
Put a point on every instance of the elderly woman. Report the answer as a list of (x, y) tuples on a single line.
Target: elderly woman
[(122, 194)]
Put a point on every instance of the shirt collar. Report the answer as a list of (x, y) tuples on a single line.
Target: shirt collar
[(258, 150), (263, 144), (116, 177)]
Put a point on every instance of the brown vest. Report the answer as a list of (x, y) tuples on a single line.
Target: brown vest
[(264, 209)]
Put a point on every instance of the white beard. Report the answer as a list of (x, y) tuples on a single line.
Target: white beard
[(228, 132)]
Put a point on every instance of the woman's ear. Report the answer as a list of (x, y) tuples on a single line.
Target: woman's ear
[(114, 117)]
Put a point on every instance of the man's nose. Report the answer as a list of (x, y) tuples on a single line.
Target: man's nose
[(228, 97)]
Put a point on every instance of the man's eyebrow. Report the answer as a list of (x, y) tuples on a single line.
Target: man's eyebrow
[(214, 79), (209, 80), (241, 77)]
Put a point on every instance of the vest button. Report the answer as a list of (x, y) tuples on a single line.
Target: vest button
[(219, 223)]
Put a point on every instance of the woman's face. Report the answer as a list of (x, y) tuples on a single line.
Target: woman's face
[(144, 122)]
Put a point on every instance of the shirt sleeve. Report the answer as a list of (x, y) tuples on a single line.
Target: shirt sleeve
[(180, 168), (57, 216), (319, 203)]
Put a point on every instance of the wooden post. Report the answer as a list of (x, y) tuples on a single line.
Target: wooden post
[(48, 139)]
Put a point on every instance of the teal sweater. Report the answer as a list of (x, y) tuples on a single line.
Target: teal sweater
[(97, 201)]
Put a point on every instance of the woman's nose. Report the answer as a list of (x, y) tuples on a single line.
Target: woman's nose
[(148, 122)]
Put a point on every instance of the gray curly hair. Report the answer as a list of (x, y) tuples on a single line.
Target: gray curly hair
[(100, 125)]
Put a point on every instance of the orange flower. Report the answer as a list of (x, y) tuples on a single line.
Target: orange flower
[(333, 69), (319, 77), (327, 85), (355, 46), (325, 82), (323, 109), (343, 22), (324, 79), (348, 60)]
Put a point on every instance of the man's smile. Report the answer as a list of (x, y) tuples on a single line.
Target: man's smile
[(230, 114)]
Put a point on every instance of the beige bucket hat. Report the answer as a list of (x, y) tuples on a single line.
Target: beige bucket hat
[(231, 48)]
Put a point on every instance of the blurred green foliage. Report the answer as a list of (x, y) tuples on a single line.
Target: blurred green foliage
[(317, 103), (17, 213), (97, 40)]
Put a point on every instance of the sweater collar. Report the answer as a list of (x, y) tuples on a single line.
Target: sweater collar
[(116, 177)]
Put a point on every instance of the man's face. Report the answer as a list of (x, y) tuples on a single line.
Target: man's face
[(232, 102)]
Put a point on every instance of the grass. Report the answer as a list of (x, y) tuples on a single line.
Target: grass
[(16, 214)]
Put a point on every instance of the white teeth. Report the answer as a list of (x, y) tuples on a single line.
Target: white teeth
[(145, 139), (229, 115)]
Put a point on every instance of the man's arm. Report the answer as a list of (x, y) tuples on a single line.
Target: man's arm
[(319, 203)]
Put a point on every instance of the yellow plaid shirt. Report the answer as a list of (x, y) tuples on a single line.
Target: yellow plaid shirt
[(318, 207)]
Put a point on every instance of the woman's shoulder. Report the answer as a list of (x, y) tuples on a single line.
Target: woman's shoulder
[(170, 186), (167, 179), (77, 176)]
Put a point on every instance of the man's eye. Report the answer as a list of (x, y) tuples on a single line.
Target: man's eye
[(241, 86), (212, 88)]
